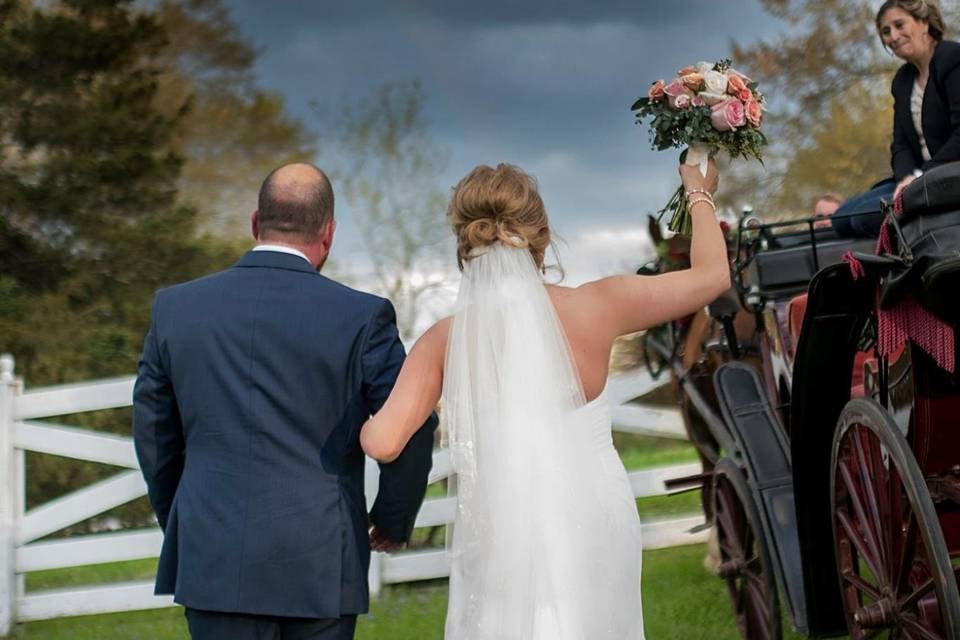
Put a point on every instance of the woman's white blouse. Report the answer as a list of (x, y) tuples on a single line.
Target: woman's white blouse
[(916, 108)]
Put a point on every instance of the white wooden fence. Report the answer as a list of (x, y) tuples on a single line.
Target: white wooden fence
[(21, 531)]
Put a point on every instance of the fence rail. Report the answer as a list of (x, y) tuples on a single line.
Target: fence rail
[(22, 549)]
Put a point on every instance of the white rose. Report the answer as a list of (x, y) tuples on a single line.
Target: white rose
[(704, 67), (715, 82), (712, 98)]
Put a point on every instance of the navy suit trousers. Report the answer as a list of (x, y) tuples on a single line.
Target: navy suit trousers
[(213, 625)]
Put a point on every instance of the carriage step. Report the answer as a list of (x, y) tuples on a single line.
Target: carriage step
[(764, 455)]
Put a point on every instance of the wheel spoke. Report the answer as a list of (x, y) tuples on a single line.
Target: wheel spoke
[(866, 458), (872, 557), (724, 513), (861, 584), (858, 542), (908, 603), (917, 630), (907, 553), (758, 606), (875, 478)]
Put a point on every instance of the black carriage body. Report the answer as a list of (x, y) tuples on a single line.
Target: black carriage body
[(777, 407)]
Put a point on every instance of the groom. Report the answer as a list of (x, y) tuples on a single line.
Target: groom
[(252, 388)]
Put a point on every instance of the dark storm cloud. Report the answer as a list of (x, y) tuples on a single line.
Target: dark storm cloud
[(546, 85), (490, 12)]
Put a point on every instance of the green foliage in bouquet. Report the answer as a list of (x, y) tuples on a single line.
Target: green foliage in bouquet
[(678, 129)]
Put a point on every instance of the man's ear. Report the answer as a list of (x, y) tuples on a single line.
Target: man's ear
[(255, 224), (328, 234)]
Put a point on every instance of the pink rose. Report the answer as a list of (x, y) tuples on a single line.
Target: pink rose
[(745, 95), (735, 85), (697, 101), (675, 88), (727, 115), (656, 90), (753, 111), (682, 101)]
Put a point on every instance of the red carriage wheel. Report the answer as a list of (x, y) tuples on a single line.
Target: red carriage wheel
[(745, 560), (896, 577)]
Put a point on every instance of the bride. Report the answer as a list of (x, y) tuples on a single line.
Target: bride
[(546, 542)]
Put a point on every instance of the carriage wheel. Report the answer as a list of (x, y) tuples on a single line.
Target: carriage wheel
[(745, 560), (895, 570)]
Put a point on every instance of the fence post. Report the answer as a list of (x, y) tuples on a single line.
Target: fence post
[(371, 483), (9, 388)]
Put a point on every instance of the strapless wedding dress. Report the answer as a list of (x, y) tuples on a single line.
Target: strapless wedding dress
[(578, 577)]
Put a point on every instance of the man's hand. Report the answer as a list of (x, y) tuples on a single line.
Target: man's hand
[(379, 542)]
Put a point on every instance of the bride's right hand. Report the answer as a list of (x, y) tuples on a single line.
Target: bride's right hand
[(694, 180)]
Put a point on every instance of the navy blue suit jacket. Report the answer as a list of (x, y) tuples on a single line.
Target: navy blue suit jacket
[(252, 388), (939, 116)]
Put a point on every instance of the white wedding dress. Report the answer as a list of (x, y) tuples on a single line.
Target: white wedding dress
[(546, 542)]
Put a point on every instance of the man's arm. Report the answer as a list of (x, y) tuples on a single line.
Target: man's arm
[(157, 429), (403, 482)]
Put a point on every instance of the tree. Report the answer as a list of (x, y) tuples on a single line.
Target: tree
[(389, 178), (233, 133), (826, 74), (90, 222)]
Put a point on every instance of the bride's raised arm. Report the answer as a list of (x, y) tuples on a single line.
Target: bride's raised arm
[(414, 396), (633, 302)]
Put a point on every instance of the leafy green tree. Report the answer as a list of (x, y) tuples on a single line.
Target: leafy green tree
[(90, 222)]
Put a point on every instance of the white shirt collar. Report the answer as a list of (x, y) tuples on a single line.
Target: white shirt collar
[(279, 248)]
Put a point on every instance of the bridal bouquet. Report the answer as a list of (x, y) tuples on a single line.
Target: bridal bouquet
[(706, 108)]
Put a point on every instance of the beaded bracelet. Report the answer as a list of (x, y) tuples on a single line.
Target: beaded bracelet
[(694, 201), (703, 191)]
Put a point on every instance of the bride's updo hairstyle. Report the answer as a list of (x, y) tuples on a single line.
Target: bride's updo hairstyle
[(498, 205)]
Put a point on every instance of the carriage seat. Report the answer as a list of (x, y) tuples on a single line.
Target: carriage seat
[(782, 273), (930, 222)]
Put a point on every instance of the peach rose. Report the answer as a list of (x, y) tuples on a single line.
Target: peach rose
[(753, 112), (686, 71), (693, 81), (745, 95), (656, 90), (727, 115), (735, 84)]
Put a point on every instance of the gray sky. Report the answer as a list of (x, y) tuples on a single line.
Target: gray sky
[(544, 85)]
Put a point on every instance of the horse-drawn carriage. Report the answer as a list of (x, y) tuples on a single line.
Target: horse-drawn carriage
[(823, 397)]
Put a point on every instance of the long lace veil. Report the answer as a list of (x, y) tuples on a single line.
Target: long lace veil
[(510, 389)]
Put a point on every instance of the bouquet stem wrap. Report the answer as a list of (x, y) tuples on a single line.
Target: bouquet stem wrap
[(696, 155)]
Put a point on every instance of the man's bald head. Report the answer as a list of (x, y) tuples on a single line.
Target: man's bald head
[(296, 202)]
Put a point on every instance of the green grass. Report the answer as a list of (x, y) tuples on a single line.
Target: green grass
[(642, 452), (680, 601), (92, 574), (659, 507)]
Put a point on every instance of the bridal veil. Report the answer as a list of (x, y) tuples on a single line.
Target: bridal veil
[(532, 555)]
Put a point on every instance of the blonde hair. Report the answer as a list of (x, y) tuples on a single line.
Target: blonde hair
[(498, 205), (922, 10)]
